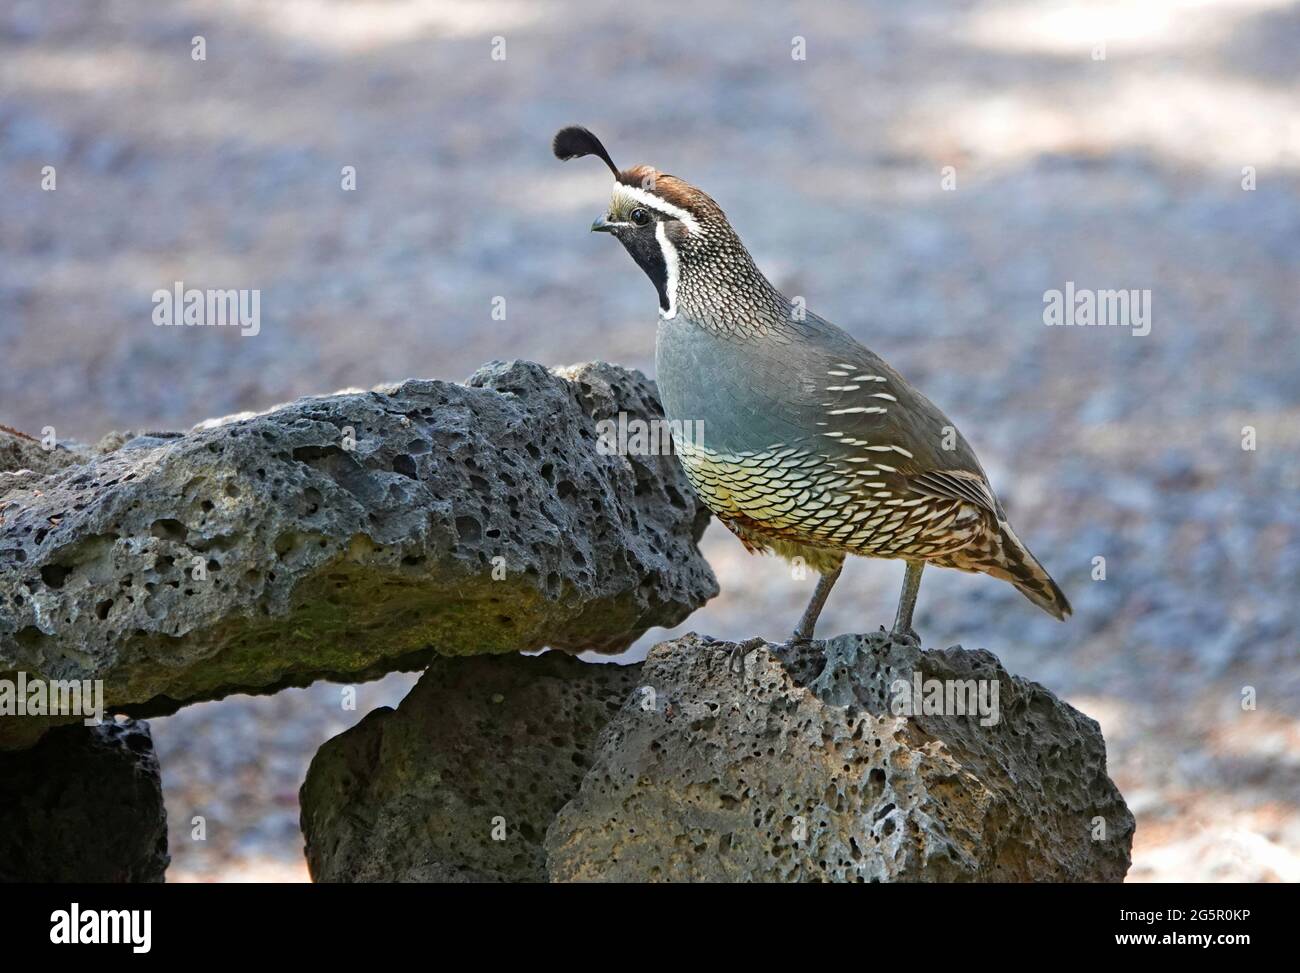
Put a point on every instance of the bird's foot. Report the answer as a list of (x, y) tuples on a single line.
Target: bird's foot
[(797, 640), (736, 660), (905, 633)]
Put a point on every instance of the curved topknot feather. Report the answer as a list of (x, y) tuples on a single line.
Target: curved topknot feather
[(575, 141)]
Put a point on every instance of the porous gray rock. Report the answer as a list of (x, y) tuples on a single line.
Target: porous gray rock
[(802, 772), (23, 456), (84, 805), (461, 781), (346, 536)]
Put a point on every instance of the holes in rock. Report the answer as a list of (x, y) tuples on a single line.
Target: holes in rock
[(469, 529), (169, 529), (310, 454), (311, 501), (29, 637), (55, 574), (405, 465)]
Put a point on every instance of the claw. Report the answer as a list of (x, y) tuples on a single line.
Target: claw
[(736, 660)]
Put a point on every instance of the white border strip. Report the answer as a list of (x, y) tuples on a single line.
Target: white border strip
[(646, 198)]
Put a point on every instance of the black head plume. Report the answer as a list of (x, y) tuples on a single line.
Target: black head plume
[(575, 141)]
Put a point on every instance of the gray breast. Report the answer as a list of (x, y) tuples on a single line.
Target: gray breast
[(748, 394)]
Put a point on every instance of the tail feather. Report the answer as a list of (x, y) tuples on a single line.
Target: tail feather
[(1025, 572), (1008, 558)]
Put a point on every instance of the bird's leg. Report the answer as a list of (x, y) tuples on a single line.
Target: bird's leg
[(804, 631), (907, 601)]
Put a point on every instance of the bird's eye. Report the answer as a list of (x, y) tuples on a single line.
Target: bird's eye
[(639, 216)]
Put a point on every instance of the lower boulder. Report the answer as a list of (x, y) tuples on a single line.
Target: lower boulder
[(810, 768), (84, 804), (461, 781)]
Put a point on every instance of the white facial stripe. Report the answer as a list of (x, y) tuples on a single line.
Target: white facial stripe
[(634, 194), (670, 262)]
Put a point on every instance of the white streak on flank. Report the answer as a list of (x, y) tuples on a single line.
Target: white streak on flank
[(900, 449), (674, 271), (845, 374), (842, 365), (844, 388), (647, 198), (881, 395), (868, 378), (855, 410)]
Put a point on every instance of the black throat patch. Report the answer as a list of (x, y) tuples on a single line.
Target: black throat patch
[(649, 255)]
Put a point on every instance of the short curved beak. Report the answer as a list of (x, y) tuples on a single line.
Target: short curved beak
[(602, 225)]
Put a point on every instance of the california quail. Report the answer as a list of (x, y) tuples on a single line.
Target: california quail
[(812, 447)]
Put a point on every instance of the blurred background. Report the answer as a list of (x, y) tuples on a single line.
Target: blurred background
[(1126, 170)]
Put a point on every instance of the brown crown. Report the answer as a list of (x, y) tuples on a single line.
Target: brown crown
[(672, 190)]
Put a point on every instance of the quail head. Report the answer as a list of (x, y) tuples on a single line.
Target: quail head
[(807, 444)]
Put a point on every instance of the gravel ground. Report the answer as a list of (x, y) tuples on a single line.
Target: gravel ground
[(1125, 172)]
